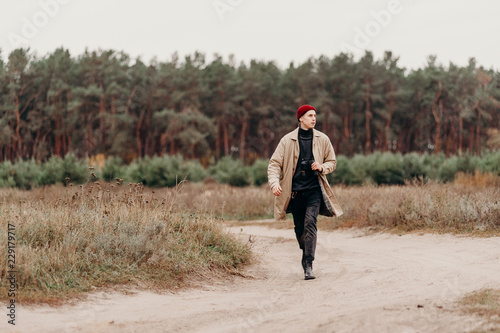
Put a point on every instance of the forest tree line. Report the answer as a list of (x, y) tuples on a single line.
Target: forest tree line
[(104, 102)]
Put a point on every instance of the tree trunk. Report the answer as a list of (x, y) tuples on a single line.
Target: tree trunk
[(113, 113), (102, 122), (391, 106), (138, 134), (225, 137), (368, 117), (35, 144), (18, 128), (172, 147), (346, 127), (478, 128), (90, 140), (437, 111), (471, 138), (244, 124), (57, 139), (68, 143), (217, 139), (460, 129), (148, 140)]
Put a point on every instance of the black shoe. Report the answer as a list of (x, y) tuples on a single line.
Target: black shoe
[(309, 272)]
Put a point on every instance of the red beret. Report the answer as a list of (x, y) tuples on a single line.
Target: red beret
[(303, 109)]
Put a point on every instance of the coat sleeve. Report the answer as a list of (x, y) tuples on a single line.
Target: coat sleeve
[(276, 165), (330, 161)]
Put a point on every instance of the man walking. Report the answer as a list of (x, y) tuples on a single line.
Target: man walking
[(303, 158)]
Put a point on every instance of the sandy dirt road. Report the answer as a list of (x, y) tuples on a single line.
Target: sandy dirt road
[(365, 283)]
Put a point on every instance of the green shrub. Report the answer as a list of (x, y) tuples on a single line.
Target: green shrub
[(113, 168), (56, 170), (347, 172), (156, 171), (414, 167), (455, 164), (490, 162), (194, 171), (26, 174), (22, 174), (432, 164), (7, 174), (232, 172), (362, 166), (448, 169), (259, 172), (136, 171), (165, 171), (388, 169)]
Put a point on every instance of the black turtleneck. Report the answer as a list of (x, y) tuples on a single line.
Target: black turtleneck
[(304, 177)]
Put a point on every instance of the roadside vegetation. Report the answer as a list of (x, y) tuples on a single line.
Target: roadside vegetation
[(470, 204), (167, 171), (75, 239), (79, 228)]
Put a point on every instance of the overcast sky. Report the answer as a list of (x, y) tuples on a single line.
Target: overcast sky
[(280, 30)]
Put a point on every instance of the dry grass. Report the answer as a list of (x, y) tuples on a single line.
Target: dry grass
[(477, 179), (432, 207), (470, 205), (228, 202), (70, 240), (485, 304)]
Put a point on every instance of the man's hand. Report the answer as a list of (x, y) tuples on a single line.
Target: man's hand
[(277, 190), (317, 166)]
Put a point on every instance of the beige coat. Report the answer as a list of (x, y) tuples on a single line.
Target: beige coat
[(284, 161)]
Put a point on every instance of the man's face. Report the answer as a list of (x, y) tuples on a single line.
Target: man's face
[(308, 120)]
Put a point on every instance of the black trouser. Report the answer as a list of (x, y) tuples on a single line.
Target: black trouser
[(305, 208)]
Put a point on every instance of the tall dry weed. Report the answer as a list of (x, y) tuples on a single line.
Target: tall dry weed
[(72, 239), (432, 207)]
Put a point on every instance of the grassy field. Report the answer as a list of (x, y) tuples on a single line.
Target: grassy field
[(468, 205), (74, 238)]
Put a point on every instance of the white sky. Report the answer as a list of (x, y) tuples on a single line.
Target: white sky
[(280, 30)]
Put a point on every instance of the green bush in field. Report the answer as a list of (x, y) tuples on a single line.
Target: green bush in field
[(232, 172), (7, 173), (433, 164), (414, 166), (348, 171), (362, 166), (194, 171), (468, 163), (259, 171), (156, 171), (57, 169), (135, 172), (165, 171), (113, 168), (26, 174), (174, 171), (455, 164), (387, 168), (490, 162), (448, 169)]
